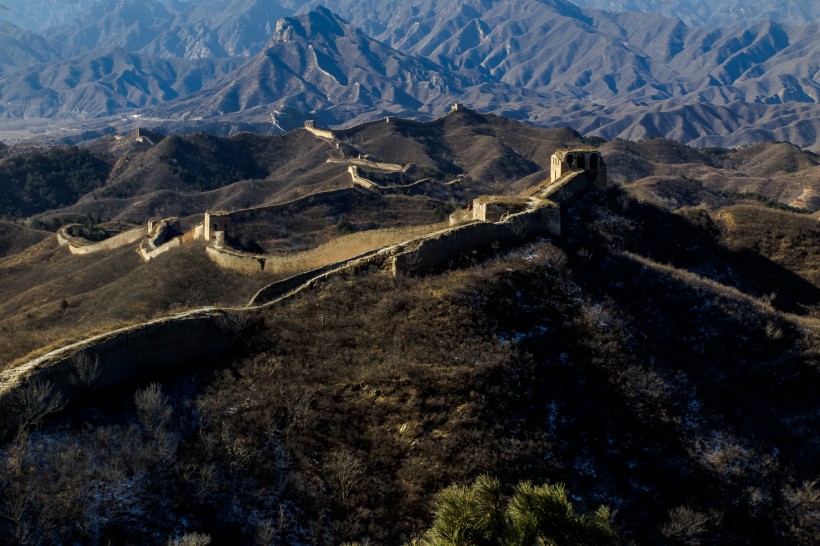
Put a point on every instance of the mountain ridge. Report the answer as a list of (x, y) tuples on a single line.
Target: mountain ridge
[(614, 75)]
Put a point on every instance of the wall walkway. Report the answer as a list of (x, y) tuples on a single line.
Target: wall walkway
[(336, 251)]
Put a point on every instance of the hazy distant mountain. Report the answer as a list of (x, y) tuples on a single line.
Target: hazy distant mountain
[(19, 47), (130, 24), (711, 13), (194, 30), (218, 28), (551, 62), (555, 48), (39, 14), (318, 61), (625, 75), (103, 82)]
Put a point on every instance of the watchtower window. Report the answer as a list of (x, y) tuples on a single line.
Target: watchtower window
[(593, 161), (570, 160), (216, 227), (581, 162)]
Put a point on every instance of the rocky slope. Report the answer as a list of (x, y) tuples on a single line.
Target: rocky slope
[(627, 75)]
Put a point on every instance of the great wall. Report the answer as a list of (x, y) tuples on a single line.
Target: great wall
[(132, 353)]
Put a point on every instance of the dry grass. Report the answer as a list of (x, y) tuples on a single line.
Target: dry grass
[(49, 296)]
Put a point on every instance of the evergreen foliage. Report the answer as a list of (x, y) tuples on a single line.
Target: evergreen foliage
[(543, 515)]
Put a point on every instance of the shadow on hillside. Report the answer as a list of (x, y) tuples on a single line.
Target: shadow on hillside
[(688, 241), (746, 365)]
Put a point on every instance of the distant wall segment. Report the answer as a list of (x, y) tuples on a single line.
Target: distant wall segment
[(78, 245), (163, 235), (324, 134)]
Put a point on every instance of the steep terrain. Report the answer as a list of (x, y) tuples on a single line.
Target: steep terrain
[(211, 29), (103, 82), (39, 14), (323, 63), (627, 75), (710, 14), (227, 65)]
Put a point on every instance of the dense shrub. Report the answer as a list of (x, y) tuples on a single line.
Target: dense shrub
[(40, 181)]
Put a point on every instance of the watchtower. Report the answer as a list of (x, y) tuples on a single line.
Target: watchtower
[(587, 160), (215, 222)]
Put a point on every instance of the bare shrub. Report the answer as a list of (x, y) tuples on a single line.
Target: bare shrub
[(686, 526), (344, 471), (802, 507), (190, 539), (265, 533), (86, 367), (10, 327), (413, 259), (234, 322), (773, 331), (37, 400), (300, 413), (153, 409), (17, 508)]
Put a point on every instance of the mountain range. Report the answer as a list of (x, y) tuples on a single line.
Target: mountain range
[(269, 65)]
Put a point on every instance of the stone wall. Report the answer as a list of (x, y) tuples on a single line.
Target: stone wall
[(378, 165), (78, 245), (324, 134), (333, 252), (195, 234), (259, 214), (129, 355), (567, 188), (359, 180), (280, 288), (163, 236), (215, 222), (445, 248), (491, 208), (149, 253)]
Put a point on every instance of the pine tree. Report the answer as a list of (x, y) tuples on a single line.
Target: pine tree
[(540, 515)]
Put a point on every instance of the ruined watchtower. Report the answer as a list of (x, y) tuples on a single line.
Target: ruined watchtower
[(216, 222), (586, 160)]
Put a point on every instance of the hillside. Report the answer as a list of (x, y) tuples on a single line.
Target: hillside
[(660, 357), (607, 365)]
